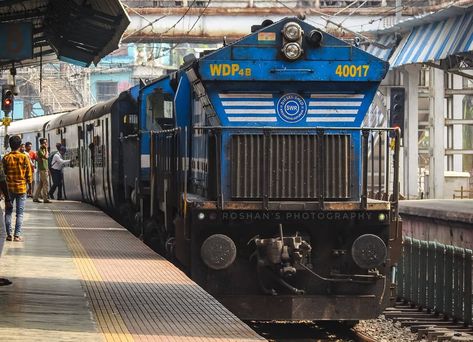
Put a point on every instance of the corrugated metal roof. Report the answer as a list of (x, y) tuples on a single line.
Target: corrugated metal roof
[(77, 31), (432, 37), (436, 40), (382, 46)]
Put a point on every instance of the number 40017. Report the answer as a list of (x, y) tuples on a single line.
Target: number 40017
[(352, 70)]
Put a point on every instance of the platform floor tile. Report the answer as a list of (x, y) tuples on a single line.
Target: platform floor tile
[(46, 301), (80, 276)]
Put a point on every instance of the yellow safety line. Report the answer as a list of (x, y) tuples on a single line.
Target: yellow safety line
[(109, 319)]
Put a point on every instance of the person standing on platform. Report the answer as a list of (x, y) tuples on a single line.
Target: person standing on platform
[(18, 173), (32, 154), (23, 150), (57, 173), (6, 196), (42, 158), (52, 154)]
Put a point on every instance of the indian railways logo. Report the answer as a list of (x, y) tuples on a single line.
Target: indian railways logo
[(291, 108)]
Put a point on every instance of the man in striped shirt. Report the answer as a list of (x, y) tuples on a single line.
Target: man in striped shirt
[(4, 190), (18, 172)]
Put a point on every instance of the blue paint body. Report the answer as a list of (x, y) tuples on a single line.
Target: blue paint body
[(257, 146), (160, 85), (251, 85)]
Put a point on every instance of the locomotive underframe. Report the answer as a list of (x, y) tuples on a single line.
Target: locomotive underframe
[(348, 292)]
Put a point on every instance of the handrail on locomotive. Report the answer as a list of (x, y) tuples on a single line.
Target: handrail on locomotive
[(373, 139)]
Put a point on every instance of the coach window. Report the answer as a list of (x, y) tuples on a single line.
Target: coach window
[(130, 124), (160, 110)]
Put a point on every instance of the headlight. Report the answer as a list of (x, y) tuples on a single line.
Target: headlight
[(292, 51), (292, 31)]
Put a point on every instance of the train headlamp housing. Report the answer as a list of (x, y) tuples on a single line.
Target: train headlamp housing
[(315, 38), (292, 31), (292, 51), (292, 35)]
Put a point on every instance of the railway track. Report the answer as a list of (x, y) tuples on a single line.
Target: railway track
[(429, 324), (305, 332), (407, 323), (402, 323)]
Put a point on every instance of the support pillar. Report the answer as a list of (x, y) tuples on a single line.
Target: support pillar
[(458, 129), (437, 133), (411, 133)]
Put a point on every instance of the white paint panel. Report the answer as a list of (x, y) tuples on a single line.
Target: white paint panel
[(248, 104), (347, 119), (340, 96), (250, 111), (252, 119), (245, 96), (332, 111), (335, 104)]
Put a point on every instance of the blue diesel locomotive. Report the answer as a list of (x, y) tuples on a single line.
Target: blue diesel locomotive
[(250, 167)]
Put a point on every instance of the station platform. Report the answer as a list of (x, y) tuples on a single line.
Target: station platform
[(450, 210), (80, 276), (445, 221)]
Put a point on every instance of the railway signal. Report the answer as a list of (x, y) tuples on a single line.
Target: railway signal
[(7, 100), (397, 108)]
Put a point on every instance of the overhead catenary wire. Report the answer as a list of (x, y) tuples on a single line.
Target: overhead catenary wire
[(150, 23), (353, 12), (179, 20), (327, 20), (188, 31), (156, 20), (347, 7), (387, 13)]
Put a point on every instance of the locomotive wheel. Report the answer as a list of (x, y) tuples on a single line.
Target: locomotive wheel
[(154, 237), (149, 229), (126, 214)]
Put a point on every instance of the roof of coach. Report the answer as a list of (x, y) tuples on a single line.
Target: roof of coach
[(86, 113), (100, 109), (31, 125), (68, 119)]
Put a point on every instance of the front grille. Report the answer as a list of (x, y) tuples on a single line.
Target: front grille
[(288, 166)]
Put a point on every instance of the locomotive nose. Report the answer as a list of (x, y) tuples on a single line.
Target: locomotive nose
[(369, 251)]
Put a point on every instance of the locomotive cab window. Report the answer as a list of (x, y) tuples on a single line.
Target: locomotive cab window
[(160, 111)]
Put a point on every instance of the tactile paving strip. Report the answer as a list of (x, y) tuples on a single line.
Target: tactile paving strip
[(136, 294)]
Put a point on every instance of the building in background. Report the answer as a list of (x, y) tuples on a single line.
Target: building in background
[(59, 87)]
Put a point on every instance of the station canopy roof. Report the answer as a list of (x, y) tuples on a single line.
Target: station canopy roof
[(444, 37), (80, 32)]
